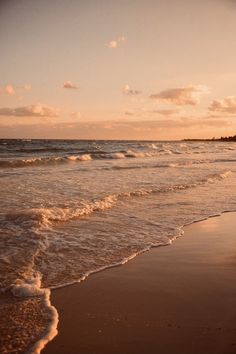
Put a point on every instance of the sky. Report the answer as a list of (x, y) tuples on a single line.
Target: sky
[(117, 69)]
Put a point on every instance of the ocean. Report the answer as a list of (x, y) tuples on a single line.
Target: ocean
[(70, 208)]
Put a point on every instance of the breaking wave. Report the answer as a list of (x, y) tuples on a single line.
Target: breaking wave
[(44, 217), (31, 287), (43, 161), (54, 160), (36, 220)]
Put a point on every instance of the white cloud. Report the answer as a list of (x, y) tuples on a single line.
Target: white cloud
[(114, 43), (181, 96), (169, 123), (8, 89), (12, 90), (128, 91), (148, 129), (76, 115), (34, 110), (226, 105), (166, 112), (27, 87), (70, 85)]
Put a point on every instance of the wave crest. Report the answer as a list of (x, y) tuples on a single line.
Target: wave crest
[(39, 161), (44, 217)]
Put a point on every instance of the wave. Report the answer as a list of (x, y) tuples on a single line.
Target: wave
[(181, 164), (153, 146), (85, 157), (165, 151), (44, 218), (90, 155), (117, 155), (133, 154), (38, 161), (223, 175), (225, 160), (31, 287), (52, 330)]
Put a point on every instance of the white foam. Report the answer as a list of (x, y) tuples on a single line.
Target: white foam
[(85, 157), (226, 174), (131, 153), (43, 218), (220, 176), (153, 146), (51, 330), (43, 160), (30, 288), (72, 158), (117, 155), (165, 151), (64, 214)]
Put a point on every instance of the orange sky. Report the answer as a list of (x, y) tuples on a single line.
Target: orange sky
[(128, 69)]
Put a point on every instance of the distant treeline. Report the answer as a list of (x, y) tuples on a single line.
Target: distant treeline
[(227, 138), (223, 138)]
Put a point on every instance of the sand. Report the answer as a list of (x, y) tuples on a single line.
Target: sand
[(170, 300)]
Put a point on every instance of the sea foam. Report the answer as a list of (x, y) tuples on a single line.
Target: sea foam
[(31, 287), (88, 213)]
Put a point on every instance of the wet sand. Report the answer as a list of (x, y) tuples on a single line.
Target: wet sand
[(170, 300)]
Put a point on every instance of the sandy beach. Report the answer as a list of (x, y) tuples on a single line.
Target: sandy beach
[(174, 299), (118, 177)]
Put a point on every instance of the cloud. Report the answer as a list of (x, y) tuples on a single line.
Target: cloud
[(70, 85), (27, 87), (182, 123), (128, 91), (181, 96), (11, 90), (34, 110), (8, 89), (114, 43), (166, 112), (75, 115), (163, 129), (226, 105), (129, 113)]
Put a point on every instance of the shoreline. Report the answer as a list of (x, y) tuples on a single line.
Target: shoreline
[(138, 307)]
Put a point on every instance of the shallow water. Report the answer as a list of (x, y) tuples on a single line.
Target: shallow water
[(69, 208)]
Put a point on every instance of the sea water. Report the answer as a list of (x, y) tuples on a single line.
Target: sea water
[(71, 208)]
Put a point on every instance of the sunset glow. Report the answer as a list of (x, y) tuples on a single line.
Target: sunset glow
[(134, 69)]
